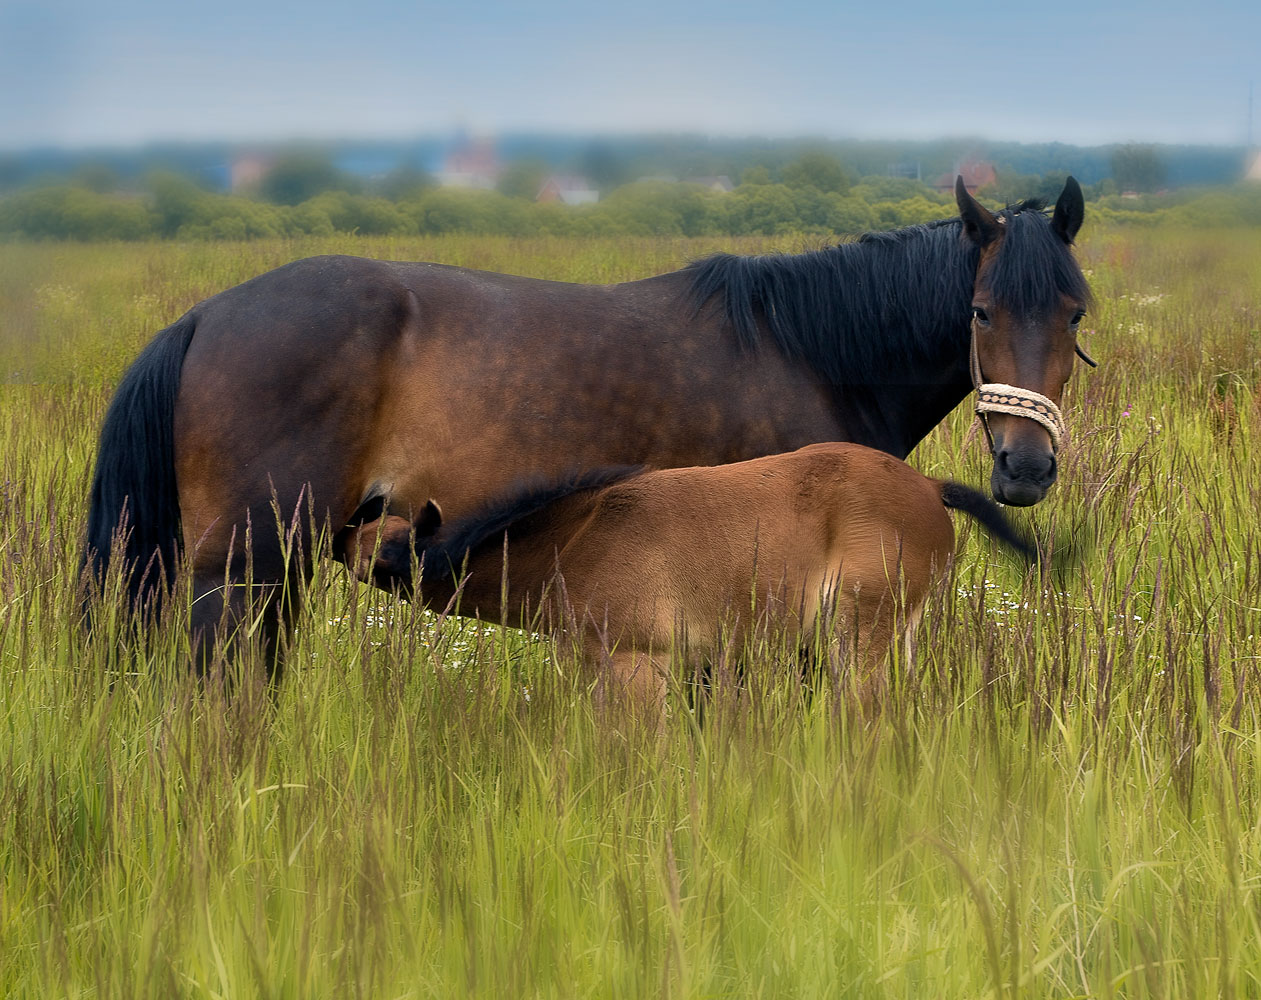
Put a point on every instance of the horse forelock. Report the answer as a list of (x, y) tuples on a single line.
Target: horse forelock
[(1033, 266)]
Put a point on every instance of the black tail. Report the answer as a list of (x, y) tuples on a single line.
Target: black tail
[(990, 516), (134, 501)]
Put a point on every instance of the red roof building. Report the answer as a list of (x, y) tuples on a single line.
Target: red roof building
[(975, 173), (568, 189)]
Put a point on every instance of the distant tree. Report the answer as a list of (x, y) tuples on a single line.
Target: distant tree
[(1104, 189), (405, 183), (67, 212), (755, 175), (356, 213), (1137, 168), (12, 172), (760, 209), (177, 201), (299, 177), (882, 188), (646, 208), (522, 179), (819, 170), (97, 177), (228, 217), (602, 166)]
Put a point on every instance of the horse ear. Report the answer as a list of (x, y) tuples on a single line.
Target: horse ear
[(429, 520), (1070, 210), (978, 222)]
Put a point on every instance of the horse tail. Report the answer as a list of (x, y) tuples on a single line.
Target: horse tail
[(990, 516), (134, 510)]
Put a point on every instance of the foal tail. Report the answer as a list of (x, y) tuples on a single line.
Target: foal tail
[(990, 516), (134, 509)]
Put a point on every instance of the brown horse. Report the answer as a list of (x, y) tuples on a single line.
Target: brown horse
[(652, 563), (284, 404)]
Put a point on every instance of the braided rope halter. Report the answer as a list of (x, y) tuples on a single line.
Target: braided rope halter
[(999, 397)]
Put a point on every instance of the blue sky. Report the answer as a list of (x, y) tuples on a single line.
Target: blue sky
[(77, 73)]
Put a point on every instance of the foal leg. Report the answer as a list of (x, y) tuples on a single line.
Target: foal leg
[(636, 681)]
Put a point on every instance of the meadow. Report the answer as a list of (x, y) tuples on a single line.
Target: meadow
[(1062, 797)]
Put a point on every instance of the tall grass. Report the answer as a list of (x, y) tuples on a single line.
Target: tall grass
[(1060, 799)]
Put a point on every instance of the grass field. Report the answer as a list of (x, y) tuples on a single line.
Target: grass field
[(1061, 799)]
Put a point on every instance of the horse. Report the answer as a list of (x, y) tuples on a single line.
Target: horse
[(643, 565), (248, 432)]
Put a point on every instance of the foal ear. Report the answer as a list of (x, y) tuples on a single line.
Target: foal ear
[(1070, 210), (429, 520), (978, 222)]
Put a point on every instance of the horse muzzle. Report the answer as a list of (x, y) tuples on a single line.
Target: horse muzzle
[(1025, 435), (1022, 475)]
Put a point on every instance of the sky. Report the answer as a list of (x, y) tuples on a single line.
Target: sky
[(76, 74)]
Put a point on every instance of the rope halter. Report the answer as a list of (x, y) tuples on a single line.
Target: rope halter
[(999, 397)]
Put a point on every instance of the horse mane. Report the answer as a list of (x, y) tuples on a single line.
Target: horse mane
[(863, 311), (454, 544)]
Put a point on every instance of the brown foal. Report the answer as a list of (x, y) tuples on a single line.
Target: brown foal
[(641, 565)]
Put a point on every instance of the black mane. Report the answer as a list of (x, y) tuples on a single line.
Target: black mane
[(860, 312), (454, 544)]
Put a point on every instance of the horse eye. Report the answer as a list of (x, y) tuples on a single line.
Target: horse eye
[(1078, 317), (980, 315)]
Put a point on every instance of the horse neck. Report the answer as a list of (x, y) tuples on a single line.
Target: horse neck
[(894, 418), (912, 290)]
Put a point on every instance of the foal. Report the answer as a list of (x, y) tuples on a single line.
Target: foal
[(636, 556)]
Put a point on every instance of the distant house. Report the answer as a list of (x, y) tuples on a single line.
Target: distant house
[(720, 183), (1253, 173), (568, 189), (247, 171), (471, 163), (975, 173)]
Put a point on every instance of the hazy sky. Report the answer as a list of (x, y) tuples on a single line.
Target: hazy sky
[(88, 73)]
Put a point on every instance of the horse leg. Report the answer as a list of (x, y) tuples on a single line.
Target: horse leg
[(882, 618), (867, 629), (246, 594), (636, 681)]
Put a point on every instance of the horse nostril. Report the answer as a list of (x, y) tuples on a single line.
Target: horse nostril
[(1000, 462)]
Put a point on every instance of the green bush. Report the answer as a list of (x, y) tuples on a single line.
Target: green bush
[(74, 213), (357, 213), (231, 218)]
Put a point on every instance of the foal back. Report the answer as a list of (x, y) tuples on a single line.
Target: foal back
[(771, 541), (661, 562)]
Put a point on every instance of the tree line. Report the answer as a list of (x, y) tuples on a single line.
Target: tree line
[(306, 196)]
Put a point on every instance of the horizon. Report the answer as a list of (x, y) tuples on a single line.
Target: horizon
[(78, 76)]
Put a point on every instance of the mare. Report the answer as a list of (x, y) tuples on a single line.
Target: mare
[(248, 433), (637, 566)]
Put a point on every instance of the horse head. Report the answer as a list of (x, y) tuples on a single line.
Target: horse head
[(1028, 299)]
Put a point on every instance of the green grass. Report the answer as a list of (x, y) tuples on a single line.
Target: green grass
[(1061, 799)]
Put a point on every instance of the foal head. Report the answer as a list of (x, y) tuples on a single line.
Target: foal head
[(1028, 299)]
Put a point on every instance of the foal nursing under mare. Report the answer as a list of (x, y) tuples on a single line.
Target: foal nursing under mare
[(640, 565), (251, 430)]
